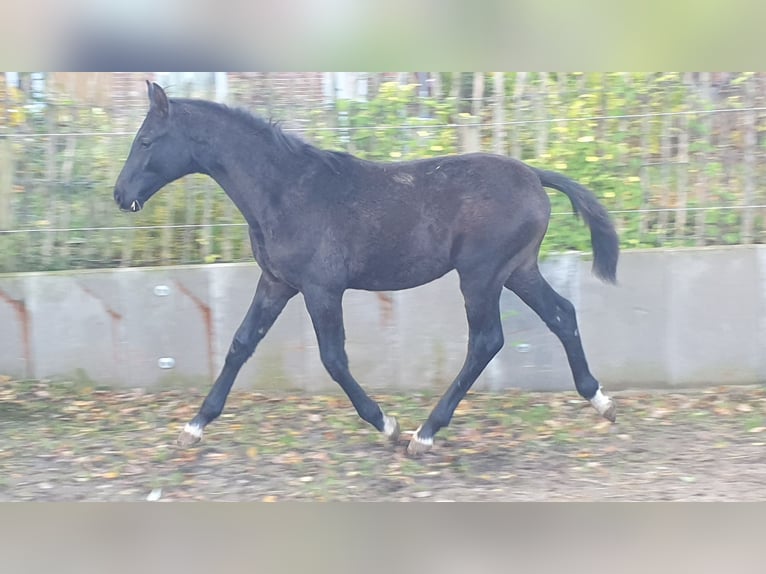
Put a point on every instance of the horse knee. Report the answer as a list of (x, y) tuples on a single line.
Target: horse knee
[(493, 341), (495, 345), (240, 350)]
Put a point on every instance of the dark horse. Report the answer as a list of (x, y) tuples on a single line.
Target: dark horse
[(322, 222)]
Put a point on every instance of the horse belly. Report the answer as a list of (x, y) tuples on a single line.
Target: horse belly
[(395, 271)]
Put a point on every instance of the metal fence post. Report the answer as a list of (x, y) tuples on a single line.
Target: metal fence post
[(6, 183)]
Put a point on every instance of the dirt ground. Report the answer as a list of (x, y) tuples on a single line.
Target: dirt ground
[(65, 442)]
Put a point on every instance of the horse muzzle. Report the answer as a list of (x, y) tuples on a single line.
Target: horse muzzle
[(134, 206)]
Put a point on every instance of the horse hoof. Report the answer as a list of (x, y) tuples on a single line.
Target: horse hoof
[(418, 445), (190, 435), (391, 428), (604, 405)]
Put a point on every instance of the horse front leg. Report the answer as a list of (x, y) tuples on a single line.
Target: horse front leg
[(270, 299), (485, 339), (326, 311)]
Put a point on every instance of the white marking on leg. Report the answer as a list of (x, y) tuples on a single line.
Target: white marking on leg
[(425, 441), (601, 402), (389, 425), (194, 430), (419, 445)]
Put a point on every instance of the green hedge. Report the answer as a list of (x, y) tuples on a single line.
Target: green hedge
[(622, 135)]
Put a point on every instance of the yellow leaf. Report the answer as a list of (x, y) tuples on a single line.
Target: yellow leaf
[(602, 426), (111, 474), (269, 498), (252, 452)]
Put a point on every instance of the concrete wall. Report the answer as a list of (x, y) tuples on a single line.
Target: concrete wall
[(678, 318)]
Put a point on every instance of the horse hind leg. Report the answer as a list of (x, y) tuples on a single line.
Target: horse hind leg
[(559, 315), (485, 339)]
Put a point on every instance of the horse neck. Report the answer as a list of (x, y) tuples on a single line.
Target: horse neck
[(241, 161)]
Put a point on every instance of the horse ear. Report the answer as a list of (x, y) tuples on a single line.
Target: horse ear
[(157, 98)]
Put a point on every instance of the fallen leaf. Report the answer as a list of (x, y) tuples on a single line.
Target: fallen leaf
[(602, 426), (290, 457), (269, 498), (757, 429), (217, 456), (111, 474), (252, 452)]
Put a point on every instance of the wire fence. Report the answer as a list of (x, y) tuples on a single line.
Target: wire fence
[(676, 161), (437, 126)]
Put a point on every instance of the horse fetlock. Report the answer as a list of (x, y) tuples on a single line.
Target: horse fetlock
[(190, 435), (604, 405), (391, 428), (419, 445)]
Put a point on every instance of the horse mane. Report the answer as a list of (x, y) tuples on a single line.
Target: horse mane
[(288, 143)]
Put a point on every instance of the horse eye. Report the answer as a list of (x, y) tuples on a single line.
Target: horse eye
[(145, 143)]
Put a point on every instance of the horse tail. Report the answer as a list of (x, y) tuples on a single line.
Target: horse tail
[(603, 237)]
